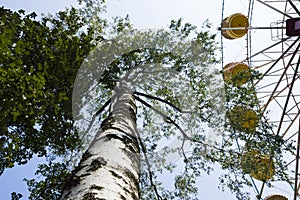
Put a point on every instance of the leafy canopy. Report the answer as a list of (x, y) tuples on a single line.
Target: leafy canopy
[(39, 60), (171, 74)]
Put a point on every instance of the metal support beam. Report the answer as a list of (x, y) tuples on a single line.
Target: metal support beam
[(295, 8), (249, 28), (296, 187), (290, 91), (283, 13)]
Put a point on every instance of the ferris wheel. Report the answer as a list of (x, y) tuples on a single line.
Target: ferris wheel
[(263, 37)]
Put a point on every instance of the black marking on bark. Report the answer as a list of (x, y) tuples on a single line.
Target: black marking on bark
[(129, 192), (96, 187), (85, 156), (71, 181), (97, 163), (124, 138), (129, 140), (115, 174), (106, 123), (133, 195), (126, 190), (122, 197), (131, 176), (130, 145), (85, 174), (114, 136), (78, 168), (90, 196)]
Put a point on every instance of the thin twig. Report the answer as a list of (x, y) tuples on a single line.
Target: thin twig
[(169, 120), (144, 150), (97, 113)]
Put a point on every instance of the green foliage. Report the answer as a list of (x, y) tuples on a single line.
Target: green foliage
[(50, 187), (16, 196), (38, 64), (185, 186), (39, 60)]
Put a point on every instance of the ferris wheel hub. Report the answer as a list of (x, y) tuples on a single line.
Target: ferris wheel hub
[(293, 27)]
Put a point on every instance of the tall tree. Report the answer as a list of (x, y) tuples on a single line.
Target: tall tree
[(166, 72)]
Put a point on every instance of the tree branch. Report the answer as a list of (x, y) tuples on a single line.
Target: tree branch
[(169, 120), (144, 150), (159, 99), (97, 113), (103, 107)]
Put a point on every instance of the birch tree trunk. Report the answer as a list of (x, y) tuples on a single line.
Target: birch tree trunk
[(110, 167)]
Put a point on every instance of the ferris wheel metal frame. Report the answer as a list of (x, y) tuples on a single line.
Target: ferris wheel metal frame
[(278, 63)]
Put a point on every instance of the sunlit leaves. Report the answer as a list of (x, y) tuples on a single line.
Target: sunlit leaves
[(38, 64)]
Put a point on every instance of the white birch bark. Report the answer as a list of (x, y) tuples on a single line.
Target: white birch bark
[(109, 169)]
